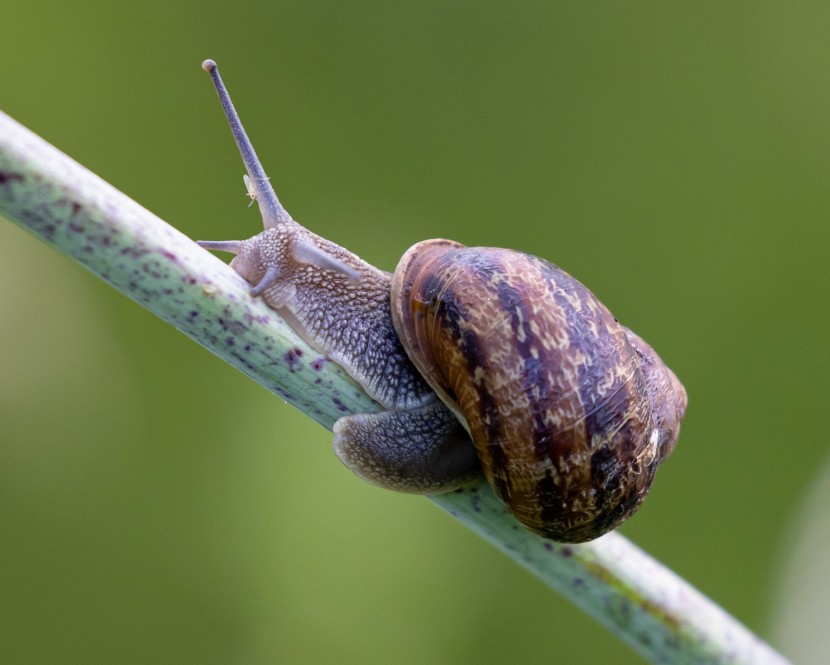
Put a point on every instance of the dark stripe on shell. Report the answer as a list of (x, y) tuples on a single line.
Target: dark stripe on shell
[(613, 426), (539, 393), (596, 488), (450, 314)]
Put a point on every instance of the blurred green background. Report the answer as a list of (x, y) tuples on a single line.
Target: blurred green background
[(158, 507)]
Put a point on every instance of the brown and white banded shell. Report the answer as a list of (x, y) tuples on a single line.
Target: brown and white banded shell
[(571, 413)]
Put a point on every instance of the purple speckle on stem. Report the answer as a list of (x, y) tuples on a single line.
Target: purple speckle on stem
[(133, 251), (340, 406), (319, 363), (8, 177), (292, 357)]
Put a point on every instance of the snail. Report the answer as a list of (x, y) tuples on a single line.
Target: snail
[(484, 360)]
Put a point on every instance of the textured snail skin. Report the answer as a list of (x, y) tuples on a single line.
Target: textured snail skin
[(571, 413), (340, 305), (342, 310)]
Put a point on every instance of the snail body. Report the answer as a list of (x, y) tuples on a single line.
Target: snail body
[(485, 359)]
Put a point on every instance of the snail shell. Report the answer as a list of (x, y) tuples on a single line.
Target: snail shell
[(570, 412)]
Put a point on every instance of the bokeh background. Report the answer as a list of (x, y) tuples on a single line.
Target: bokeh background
[(158, 507)]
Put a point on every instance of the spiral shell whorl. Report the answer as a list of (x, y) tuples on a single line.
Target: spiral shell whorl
[(546, 379)]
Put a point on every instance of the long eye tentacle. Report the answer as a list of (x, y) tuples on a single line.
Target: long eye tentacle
[(273, 214)]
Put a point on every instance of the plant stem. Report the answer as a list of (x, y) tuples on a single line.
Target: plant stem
[(75, 211)]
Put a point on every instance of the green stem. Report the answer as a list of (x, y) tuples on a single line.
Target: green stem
[(66, 206)]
